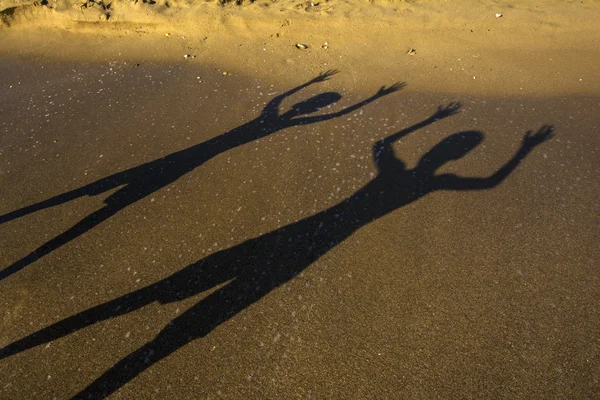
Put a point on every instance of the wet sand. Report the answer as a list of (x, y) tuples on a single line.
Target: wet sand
[(246, 255)]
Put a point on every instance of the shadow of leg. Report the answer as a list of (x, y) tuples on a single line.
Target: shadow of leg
[(196, 322), (131, 366), (75, 231), (54, 201), (114, 308)]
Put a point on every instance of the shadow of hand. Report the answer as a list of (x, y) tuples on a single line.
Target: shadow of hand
[(545, 133), (383, 91), (324, 76), (443, 112)]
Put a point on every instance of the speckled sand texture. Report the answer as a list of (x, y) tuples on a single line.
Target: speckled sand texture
[(265, 222)]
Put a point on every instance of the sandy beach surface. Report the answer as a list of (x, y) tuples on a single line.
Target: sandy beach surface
[(192, 206)]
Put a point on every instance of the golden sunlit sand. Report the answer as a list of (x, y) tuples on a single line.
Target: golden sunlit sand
[(534, 48)]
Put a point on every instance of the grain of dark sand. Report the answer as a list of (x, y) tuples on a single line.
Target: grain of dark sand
[(470, 293)]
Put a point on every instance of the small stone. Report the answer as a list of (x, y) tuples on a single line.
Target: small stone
[(302, 46), (411, 52), (498, 15)]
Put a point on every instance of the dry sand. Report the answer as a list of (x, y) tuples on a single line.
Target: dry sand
[(535, 48), (193, 288)]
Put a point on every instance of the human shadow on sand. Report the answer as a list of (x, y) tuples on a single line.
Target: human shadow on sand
[(145, 179), (252, 269)]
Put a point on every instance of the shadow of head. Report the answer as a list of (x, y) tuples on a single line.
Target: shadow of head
[(451, 148), (315, 103)]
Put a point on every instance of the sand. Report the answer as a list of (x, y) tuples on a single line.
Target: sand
[(188, 247), (535, 48)]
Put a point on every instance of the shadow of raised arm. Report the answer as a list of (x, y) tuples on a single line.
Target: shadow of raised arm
[(383, 91), (383, 152), (530, 141)]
